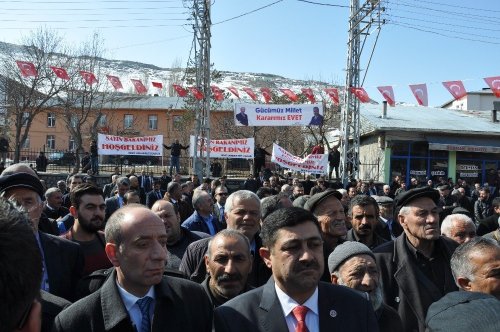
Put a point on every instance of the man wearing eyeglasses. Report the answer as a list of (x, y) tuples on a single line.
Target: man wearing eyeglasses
[(220, 196)]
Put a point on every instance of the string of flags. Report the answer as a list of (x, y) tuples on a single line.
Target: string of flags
[(455, 88)]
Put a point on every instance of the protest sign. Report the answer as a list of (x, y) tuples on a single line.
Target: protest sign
[(313, 163), (224, 148), (278, 115), (128, 146)]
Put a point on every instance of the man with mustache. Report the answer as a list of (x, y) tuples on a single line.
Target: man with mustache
[(229, 262), (294, 299), (352, 264), (88, 209), (364, 213), (415, 267)]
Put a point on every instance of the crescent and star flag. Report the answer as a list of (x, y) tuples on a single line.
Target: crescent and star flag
[(456, 88), (88, 77), (218, 93), (333, 93), (196, 93), (60, 72), (234, 91), (266, 92), (360, 93), (158, 85), (308, 92), (289, 93), (494, 84), (27, 68), (115, 82), (180, 90), (250, 93), (420, 93), (388, 94), (139, 87)]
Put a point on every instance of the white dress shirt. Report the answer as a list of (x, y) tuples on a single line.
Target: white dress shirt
[(130, 302), (288, 304)]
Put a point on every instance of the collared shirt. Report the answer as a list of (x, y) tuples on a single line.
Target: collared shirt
[(288, 304), (209, 221), (130, 302), (389, 225), (45, 277), (221, 211)]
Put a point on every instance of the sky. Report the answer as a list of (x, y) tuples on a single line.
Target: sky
[(421, 41)]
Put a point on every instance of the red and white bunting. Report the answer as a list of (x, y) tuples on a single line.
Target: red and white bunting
[(27, 68), (88, 77), (180, 90), (196, 93), (250, 93), (334, 94), (494, 84), (308, 92), (234, 91), (158, 85), (456, 88), (115, 82), (420, 93), (360, 93), (388, 94), (60, 72), (290, 94), (266, 93), (217, 92), (139, 87)]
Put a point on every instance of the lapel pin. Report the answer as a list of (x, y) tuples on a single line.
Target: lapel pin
[(333, 313)]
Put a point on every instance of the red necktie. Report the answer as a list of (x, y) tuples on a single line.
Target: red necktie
[(300, 312)]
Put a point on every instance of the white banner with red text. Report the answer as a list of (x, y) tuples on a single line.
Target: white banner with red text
[(313, 163), (130, 146), (278, 115), (224, 148)]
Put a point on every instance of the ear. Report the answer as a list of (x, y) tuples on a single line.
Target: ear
[(464, 283), (111, 250), (73, 211), (206, 262), (265, 254), (334, 279), (401, 220)]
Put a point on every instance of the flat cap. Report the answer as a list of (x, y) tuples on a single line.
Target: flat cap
[(300, 201), (345, 251), (383, 200), (406, 197), (313, 202), (21, 180)]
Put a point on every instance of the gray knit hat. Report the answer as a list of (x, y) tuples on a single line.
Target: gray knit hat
[(345, 251)]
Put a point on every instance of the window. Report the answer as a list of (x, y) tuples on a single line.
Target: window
[(74, 121), (177, 122), (153, 122), (51, 120), (103, 121), (71, 145), (51, 142), (26, 116), (128, 121), (26, 144)]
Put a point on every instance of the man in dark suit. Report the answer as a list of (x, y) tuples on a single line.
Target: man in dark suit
[(154, 194), (53, 208), (317, 119), (136, 297), (115, 202), (242, 117), (108, 188), (145, 181), (293, 249)]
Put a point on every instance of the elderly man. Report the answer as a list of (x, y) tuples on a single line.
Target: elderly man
[(174, 196), (202, 219), (134, 185), (229, 262), (73, 181), (115, 202), (53, 208), (273, 203), (458, 227), (447, 202), (363, 214), (136, 297), (352, 264), (415, 268), (294, 299), (108, 188), (387, 227)]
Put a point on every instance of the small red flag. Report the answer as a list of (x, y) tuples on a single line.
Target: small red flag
[(420, 93), (88, 77), (60, 72), (158, 85), (180, 90), (388, 94), (27, 68), (266, 92), (196, 93), (456, 88), (333, 93), (308, 92), (250, 93), (494, 84), (290, 94), (115, 82), (139, 87), (360, 93), (234, 91), (218, 93)]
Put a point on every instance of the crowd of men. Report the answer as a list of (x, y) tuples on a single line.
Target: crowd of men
[(146, 253)]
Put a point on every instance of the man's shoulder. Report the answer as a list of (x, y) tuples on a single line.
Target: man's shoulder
[(81, 312), (200, 245), (49, 238), (245, 302), (384, 249)]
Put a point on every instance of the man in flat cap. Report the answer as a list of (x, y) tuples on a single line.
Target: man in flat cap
[(387, 227), (447, 202), (415, 267)]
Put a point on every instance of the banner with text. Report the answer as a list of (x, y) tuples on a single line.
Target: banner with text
[(278, 115), (313, 163), (127, 146), (225, 148)]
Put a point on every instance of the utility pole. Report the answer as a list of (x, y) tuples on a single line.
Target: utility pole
[(202, 23), (361, 20)]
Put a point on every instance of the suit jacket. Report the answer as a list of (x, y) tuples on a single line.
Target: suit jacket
[(152, 197), (488, 224), (64, 261), (217, 215), (181, 305), (242, 118), (51, 307), (148, 184), (112, 204), (340, 309), (382, 229), (196, 223), (56, 213), (107, 190)]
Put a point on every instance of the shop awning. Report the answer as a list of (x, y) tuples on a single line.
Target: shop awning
[(481, 145)]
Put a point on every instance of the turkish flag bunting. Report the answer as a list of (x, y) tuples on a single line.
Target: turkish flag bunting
[(180, 90), (266, 92), (289, 93), (88, 77), (234, 91), (308, 92), (360, 93), (420, 93), (158, 85), (456, 88), (250, 93), (115, 82), (494, 84), (333, 93), (196, 93), (27, 68), (218, 93), (139, 87), (388, 94), (60, 72)]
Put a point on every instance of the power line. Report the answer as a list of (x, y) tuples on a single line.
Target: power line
[(457, 6), (247, 13), (323, 4), (441, 23)]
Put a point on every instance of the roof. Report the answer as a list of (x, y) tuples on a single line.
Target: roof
[(485, 92), (153, 102)]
